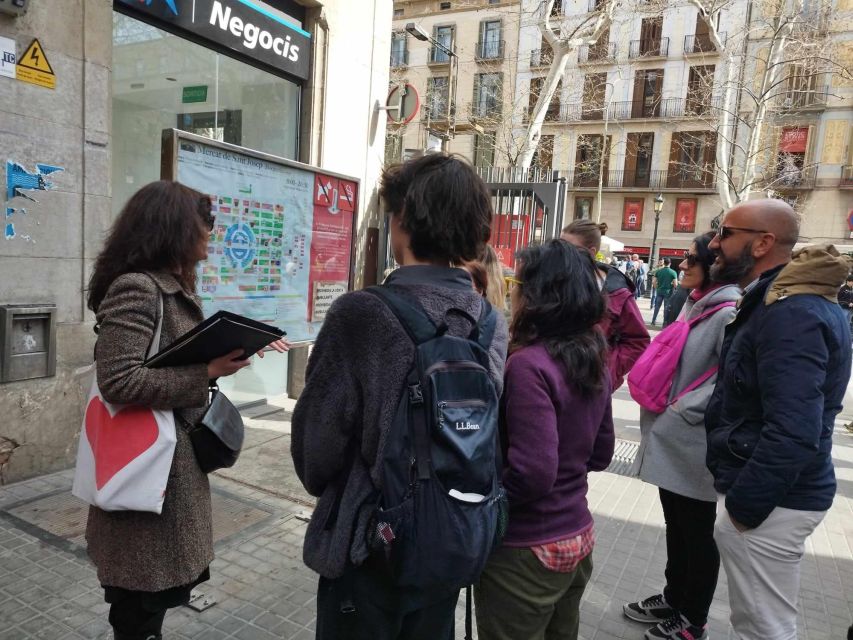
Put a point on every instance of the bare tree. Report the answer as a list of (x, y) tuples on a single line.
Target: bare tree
[(772, 65)]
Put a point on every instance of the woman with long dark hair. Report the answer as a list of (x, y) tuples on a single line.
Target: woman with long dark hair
[(672, 457), (556, 426), (148, 563)]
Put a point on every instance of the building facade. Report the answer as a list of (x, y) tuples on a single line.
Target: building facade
[(638, 114), (97, 82)]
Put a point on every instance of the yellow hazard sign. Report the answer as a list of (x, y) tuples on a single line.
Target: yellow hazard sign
[(33, 67)]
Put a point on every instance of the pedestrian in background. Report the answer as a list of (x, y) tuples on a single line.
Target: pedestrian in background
[(441, 214), (147, 562), (642, 272), (672, 457), (784, 368), (556, 428), (676, 303), (654, 288), (665, 279), (622, 323)]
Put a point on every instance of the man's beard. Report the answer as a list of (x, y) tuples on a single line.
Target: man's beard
[(733, 270)]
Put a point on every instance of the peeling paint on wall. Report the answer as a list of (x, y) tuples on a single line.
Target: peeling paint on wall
[(19, 184)]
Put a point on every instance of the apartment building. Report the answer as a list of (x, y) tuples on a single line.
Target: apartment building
[(461, 78), (637, 114)]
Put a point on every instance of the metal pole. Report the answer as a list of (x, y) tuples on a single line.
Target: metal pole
[(652, 261)]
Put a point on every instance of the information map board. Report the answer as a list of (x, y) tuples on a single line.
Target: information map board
[(281, 249)]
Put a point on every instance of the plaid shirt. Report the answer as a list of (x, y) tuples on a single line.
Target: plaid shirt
[(563, 556)]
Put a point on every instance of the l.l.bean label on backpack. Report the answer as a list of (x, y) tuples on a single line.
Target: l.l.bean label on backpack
[(466, 426)]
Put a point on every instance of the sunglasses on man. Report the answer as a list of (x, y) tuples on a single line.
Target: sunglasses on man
[(724, 232)]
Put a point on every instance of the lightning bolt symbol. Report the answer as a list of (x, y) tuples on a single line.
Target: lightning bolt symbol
[(35, 56)]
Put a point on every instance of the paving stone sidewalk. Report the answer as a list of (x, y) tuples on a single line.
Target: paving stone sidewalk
[(263, 591)]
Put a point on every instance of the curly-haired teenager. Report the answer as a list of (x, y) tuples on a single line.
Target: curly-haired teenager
[(440, 215), (556, 426)]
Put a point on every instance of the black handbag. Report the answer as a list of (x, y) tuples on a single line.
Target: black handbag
[(218, 437)]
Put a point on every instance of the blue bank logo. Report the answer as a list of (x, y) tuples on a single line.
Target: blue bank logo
[(169, 3), (240, 245)]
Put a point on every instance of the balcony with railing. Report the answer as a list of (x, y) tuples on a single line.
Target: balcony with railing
[(695, 44), (795, 99), (541, 57), (439, 55), (649, 48), (695, 180), (488, 50), (484, 110), (597, 53), (399, 58), (578, 112), (789, 178), (847, 177)]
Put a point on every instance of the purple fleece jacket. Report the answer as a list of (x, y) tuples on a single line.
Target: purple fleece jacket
[(552, 436)]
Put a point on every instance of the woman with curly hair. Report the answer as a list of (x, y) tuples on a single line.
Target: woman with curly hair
[(148, 563), (556, 427)]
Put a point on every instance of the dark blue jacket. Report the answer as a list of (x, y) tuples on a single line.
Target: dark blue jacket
[(783, 372)]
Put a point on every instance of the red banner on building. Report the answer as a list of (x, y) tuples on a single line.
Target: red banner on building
[(632, 214), (685, 215), (794, 140)]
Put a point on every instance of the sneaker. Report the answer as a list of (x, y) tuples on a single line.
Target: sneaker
[(654, 609), (677, 628)]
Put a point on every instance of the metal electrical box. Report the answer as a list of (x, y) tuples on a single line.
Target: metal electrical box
[(14, 7), (27, 341)]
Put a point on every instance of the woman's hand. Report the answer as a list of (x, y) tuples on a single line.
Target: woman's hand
[(281, 346), (227, 365)]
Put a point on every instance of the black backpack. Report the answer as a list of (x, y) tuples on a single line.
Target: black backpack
[(441, 454)]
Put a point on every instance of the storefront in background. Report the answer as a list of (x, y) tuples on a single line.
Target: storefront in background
[(229, 70)]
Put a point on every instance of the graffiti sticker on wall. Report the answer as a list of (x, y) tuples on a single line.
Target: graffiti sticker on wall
[(20, 183)]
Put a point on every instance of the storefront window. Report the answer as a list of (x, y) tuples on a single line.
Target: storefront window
[(161, 81)]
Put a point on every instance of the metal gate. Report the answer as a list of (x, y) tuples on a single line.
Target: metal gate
[(529, 207)]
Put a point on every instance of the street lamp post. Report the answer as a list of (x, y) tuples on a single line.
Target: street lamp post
[(652, 258), (419, 33)]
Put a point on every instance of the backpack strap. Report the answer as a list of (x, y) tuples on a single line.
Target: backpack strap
[(698, 382), (694, 321), (414, 319), (484, 331)]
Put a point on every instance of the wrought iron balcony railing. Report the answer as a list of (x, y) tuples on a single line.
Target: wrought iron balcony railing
[(600, 52), (649, 48), (490, 50), (701, 44)]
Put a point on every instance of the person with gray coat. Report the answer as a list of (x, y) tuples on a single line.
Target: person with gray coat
[(148, 562), (672, 457)]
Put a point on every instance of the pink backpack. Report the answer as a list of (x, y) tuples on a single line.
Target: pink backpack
[(650, 379)]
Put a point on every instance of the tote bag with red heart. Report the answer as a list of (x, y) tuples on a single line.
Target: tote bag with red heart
[(125, 452)]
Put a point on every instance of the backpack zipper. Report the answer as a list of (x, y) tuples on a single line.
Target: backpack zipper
[(454, 366)]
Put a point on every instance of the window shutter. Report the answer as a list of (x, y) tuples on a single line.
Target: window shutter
[(658, 91), (812, 144), (639, 84), (632, 147)]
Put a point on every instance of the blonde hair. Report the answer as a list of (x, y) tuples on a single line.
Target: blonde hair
[(496, 289), (588, 231)]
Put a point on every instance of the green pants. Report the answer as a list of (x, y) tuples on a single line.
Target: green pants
[(519, 599)]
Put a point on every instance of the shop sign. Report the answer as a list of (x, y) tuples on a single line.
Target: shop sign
[(794, 140), (7, 57), (194, 94), (34, 67), (640, 251), (245, 26)]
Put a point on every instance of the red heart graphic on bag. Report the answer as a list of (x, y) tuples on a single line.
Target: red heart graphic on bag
[(118, 440)]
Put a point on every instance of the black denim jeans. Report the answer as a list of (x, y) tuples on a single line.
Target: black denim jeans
[(366, 605), (693, 562)]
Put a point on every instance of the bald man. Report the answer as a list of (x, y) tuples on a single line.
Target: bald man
[(784, 366)]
